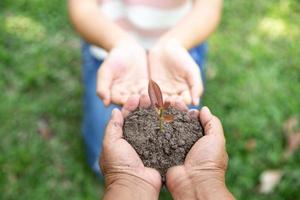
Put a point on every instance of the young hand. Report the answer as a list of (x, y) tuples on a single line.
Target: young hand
[(203, 174), (123, 73), (172, 67), (126, 177)]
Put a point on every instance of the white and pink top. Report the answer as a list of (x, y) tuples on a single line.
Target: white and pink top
[(146, 20)]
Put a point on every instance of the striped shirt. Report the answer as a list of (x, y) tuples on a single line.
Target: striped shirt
[(145, 20)]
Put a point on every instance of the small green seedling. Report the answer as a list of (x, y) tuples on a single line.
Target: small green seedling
[(157, 102)]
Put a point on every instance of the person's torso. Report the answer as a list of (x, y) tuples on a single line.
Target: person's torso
[(146, 20)]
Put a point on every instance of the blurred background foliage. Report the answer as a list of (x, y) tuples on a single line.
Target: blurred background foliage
[(253, 85)]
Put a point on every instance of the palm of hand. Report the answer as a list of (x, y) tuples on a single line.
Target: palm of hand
[(123, 74), (202, 157), (207, 154), (122, 158), (171, 79), (131, 80), (175, 71)]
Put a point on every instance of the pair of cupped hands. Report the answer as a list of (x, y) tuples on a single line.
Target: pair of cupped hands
[(128, 67), (200, 177)]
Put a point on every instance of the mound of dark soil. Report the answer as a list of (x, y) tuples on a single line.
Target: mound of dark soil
[(161, 149)]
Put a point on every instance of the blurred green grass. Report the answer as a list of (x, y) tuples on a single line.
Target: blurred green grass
[(253, 85)]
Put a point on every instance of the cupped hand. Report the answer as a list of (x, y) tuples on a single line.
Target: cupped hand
[(175, 71), (203, 173), (120, 163), (123, 73)]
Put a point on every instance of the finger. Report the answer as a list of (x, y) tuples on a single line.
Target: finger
[(205, 116), (172, 100), (131, 104), (143, 91), (104, 82), (118, 96), (168, 99), (193, 113), (193, 77), (114, 127), (101, 162), (193, 74), (180, 105), (186, 96), (143, 86), (195, 84), (145, 101), (211, 123), (166, 96), (125, 98), (196, 92)]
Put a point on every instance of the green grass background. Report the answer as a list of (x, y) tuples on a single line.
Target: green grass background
[(253, 85)]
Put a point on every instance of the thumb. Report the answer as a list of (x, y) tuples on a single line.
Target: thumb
[(104, 82), (210, 123), (114, 129)]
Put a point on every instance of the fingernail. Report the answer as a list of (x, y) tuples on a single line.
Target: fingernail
[(114, 111), (206, 109), (193, 113)]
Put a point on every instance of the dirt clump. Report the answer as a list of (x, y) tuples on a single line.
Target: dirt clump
[(161, 148)]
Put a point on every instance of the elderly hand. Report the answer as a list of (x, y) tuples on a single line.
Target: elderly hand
[(203, 174), (126, 177)]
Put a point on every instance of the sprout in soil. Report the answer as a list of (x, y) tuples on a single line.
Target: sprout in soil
[(157, 102)]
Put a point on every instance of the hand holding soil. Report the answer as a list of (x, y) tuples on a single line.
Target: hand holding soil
[(205, 165), (123, 169), (200, 176), (162, 133)]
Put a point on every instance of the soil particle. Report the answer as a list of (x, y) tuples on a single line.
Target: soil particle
[(168, 136), (161, 149), (181, 143)]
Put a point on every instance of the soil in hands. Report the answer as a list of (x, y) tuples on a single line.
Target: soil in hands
[(161, 148)]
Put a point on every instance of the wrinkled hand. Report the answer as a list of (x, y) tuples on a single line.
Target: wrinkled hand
[(120, 163), (123, 73), (175, 71), (203, 172)]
